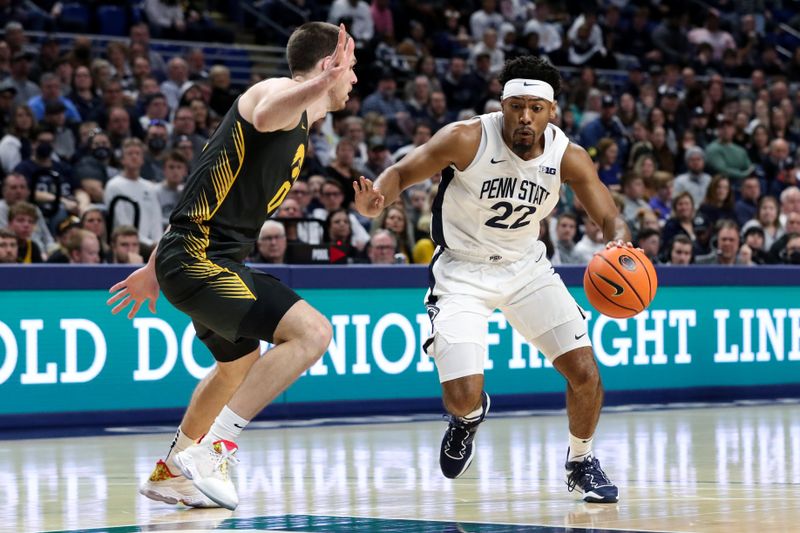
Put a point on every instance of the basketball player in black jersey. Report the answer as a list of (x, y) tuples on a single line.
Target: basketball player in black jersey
[(242, 176)]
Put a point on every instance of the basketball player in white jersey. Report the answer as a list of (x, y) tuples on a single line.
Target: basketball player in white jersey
[(506, 171)]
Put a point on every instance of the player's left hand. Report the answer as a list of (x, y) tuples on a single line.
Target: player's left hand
[(369, 200), (137, 288)]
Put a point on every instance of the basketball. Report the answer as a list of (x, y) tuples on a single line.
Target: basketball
[(620, 282)]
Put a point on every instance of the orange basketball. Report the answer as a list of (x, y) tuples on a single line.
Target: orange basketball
[(620, 282)]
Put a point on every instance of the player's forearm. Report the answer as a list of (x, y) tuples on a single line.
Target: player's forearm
[(389, 184), (281, 109)]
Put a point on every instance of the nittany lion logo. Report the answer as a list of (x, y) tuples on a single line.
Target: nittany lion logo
[(627, 263)]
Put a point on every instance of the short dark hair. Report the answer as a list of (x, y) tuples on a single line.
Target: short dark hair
[(308, 44), (680, 239), (646, 233), (531, 68)]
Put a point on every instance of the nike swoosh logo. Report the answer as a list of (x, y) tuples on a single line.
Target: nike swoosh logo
[(526, 84), (238, 426), (540, 257), (616, 286), (302, 126), (579, 336), (495, 162)]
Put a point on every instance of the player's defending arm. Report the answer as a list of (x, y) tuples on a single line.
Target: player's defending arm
[(278, 104), (579, 172), (454, 144)]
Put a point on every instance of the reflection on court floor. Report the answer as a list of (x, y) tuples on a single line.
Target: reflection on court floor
[(700, 469)]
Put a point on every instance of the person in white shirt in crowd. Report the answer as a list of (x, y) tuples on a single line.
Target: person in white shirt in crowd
[(592, 241), (138, 191)]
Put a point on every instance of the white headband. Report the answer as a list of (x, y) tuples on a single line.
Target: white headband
[(525, 87)]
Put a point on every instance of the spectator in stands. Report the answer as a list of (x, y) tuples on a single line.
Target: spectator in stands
[(128, 194), (682, 220), (156, 151), (222, 95), (726, 158), (339, 232), (768, 220), (332, 198), (698, 125), (753, 237), (485, 18), (119, 129), (669, 37), (16, 144), (84, 95), (82, 247), (177, 78), (7, 94), (353, 130), (566, 229), (64, 144), (140, 39), (418, 95), (791, 251), (746, 206), (93, 171), (342, 169), (9, 249), (680, 251), (271, 244), (378, 157), (394, 219), (725, 249), (384, 101), (20, 77), (125, 246), (606, 125), (51, 92), (549, 34), (156, 111), (778, 168), (790, 202), (22, 219), (608, 167), (358, 19), (382, 247), (649, 240), (93, 218), (718, 202), (633, 196), (592, 241), (422, 134), (460, 89), (661, 201), (51, 181), (695, 180), (15, 189), (176, 169), (437, 114)]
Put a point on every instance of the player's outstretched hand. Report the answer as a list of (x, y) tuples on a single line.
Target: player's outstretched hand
[(336, 64), (369, 200), (140, 286)]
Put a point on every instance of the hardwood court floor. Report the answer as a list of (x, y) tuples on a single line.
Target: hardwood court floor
[(715, 469)]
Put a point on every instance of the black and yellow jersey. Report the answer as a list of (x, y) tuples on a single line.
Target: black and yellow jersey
[(240, 179)]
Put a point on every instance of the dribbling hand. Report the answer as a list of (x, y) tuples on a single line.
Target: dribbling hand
[(369, 200), (621, 244), (140, 286)]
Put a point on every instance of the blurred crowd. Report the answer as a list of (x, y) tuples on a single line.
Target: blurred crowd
[(690, 110)]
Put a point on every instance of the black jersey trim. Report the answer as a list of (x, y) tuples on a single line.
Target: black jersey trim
[(437, 228)]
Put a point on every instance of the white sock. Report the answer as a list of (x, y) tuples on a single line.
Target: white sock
[(474, 415), (579, 449), (179, 443), (227, 426)]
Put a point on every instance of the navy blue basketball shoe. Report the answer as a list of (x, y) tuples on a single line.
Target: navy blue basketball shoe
[(589, 479), (457, 445)]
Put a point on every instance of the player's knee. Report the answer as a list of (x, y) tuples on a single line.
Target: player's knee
[(584, 377), (318, 337)]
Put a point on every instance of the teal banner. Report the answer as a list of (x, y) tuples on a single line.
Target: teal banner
[(63, 351)]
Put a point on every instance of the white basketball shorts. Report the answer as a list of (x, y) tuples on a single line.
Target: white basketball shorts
[(533, 298)]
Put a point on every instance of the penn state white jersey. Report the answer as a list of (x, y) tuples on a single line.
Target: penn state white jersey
[(492, 209)]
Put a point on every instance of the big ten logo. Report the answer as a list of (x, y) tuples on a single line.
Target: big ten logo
[(297, 164), (547, 170)]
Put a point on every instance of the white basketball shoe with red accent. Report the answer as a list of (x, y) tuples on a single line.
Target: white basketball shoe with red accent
[(208, 465), (164, 486)]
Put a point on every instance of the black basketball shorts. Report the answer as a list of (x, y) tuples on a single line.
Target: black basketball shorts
[(232, 306)]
